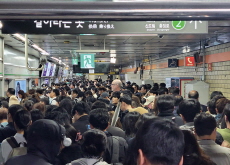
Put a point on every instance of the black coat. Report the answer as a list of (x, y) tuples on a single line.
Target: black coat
[(7, 131), (81, 125)]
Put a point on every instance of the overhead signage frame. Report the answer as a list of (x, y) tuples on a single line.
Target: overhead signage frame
[(103, 27)]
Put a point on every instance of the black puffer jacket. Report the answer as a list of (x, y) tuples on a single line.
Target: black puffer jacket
[(43, 144)]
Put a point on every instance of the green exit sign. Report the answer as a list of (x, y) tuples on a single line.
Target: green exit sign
[(75, 61)]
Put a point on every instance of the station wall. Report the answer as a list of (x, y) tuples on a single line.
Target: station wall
[(218, 78)]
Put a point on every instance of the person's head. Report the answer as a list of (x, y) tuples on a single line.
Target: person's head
[(153, 92), (143, 89), (10, 92), (143, 118), (80, 109), (28, 105), (126, 101), (227, 113), (115, 97), (54, 93), (57, 86), (94, 90), (193, 95), (67, 105), (40, 92), (74, 93), (101, 90), (40, 106), (12, 111), (188, 109), (99, 104), (71, 132), (21, 94), (212, 104), (59, 115), (215, 93), (44, 101), (205, 126), (162, 91), (126, 92), (220, 104), (3, 114), (177, 100), (22, 120), (49, 108), (174, 91), (36, 114), (162, 85), (43, 133), (93, 143), (193, 154), (136, 102), (5, 104), (116, 85), (165, 103), (88, 93), (135, 87), (159, 142), (99, 119), (104, 95), (129, 121)]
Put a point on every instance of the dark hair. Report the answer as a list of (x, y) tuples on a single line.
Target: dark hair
[(40, 91), (89, 93), (193, 94), (28, 105), (67, 105), (49, 108), (193, 154), (116, 94), (5, 104), (81, 108), (136, 102), (226, 112), (143, 118), (13, 109), (127, 92), (204, 124), (21, 92), (177, 100), (3, 113), (162, 91), (99, 104), (45, 100), (59, 115), (71, 132), (161, 142), (215, 93), (174, 91), (212, 103), (93, 143), (99, 118), (11, 91), (126, 99), (56, 91), (75, 91), (137, 86), (22, 119), (31, 91), (165, 103), (40, 106), (220, 104), (101, 88), (162, 85), (189, 109), (153, 91), (60, 98), (94, 89), (129, 121), (36, 114)]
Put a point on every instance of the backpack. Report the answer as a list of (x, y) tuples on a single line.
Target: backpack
[(16, 149), (116, 149)]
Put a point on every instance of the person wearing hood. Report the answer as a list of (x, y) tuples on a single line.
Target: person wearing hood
[(45, 139)]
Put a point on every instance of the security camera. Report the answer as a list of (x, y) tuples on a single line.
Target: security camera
[(160, 36)]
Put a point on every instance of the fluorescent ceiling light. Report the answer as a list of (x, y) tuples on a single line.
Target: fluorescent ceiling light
[(19, 37), (91, 51), (113, 60), (1, 25), (122, 35), (113, 51), (87, 34), (113, 55)]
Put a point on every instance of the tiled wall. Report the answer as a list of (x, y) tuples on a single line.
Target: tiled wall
[(218, 78)]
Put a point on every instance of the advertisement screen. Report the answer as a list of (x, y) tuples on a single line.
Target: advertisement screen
[(52, 70), (20, 85), (48, 67)]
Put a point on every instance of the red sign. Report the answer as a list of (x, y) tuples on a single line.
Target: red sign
[(189, 61), (209, 66)]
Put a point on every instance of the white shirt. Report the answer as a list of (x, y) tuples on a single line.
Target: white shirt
[(6, 148), (53, 101)]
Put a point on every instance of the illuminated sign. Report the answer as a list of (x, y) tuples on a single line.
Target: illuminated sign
[(189, 61)]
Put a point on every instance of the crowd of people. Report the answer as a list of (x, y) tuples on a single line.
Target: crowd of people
[(82, 122)]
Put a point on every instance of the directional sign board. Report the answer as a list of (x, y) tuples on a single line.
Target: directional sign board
[(103, 27)]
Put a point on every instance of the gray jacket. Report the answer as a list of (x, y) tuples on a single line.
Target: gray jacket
[(219, 155)]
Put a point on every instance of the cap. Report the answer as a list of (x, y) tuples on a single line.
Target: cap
[(104, 95)]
